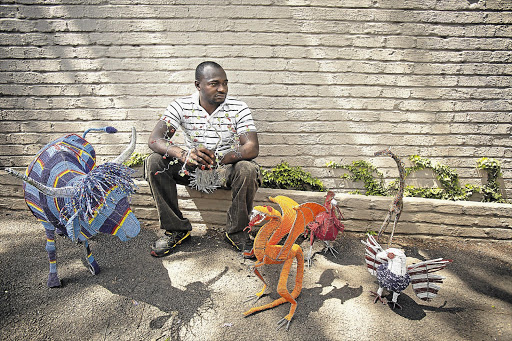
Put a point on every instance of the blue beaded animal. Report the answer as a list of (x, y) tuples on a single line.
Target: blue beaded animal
[(71, 195)]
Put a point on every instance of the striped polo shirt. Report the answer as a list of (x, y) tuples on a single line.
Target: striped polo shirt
[(231, 119)]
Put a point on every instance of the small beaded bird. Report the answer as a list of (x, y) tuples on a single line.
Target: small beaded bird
[(394, 275), (326, 226)]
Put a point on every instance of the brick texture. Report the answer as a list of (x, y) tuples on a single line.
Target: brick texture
[(327, 80)]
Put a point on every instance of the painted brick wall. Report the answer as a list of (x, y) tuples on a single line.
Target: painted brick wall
[(327, 80)]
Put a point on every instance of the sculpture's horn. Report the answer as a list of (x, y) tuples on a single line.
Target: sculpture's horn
[(128, 151), (61, 192), (108, 129)]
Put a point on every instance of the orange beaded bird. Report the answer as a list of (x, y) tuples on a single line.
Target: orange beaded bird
[(292, 222)]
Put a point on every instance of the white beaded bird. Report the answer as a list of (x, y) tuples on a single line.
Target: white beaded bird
[(394, 275)]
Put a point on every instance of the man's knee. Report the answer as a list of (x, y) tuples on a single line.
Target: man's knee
[(152, 164), (247, 170)]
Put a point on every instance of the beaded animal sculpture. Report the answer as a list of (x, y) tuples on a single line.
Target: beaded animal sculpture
[(393, 274), (290, 223), (395, 209), (71, 195), (326, 226)]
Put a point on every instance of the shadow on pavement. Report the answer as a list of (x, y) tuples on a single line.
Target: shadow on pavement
[(132, 272)]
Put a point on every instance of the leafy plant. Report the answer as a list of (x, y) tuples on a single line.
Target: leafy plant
[(491, 190), (136, 159), (447, 177), (363, 171), (287, 177), (370, 233)]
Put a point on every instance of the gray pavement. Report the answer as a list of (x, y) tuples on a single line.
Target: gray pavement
[(198, 292)]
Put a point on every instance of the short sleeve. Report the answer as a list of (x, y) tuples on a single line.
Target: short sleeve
[(173, 114), (244, 121)]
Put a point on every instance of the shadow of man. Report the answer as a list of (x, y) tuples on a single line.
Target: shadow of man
[(133, 273)]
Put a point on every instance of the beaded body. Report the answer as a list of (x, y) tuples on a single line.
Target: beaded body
[(289, 225), (69, 194)]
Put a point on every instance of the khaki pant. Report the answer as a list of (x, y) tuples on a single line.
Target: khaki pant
[(243, 178)]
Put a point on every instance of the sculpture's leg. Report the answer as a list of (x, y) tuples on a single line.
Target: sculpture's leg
[(258, 295), (330, 248), (384, 224), (378, 295), (53, 277), (273, 304), (296, 252), (266, 306), (93, 266), (395, 221), (283, 279), (309, 257), (300, 272), (395, 298)]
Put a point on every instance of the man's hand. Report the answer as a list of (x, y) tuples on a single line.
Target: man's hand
[(159, 142), (200, 157)]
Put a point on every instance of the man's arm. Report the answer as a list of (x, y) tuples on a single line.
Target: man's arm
[(249, 149), (159, 142)]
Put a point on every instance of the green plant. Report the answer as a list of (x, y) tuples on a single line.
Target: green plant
[(491, 190), (424, 192), (135, 159), (447, 177), (450, 185), (363, 171), (370, 233), (287, 177)]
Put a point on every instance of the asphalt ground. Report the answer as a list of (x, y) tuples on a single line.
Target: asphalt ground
[(198, 292)]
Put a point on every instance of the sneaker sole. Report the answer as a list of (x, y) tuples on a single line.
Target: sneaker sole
[(158, 254)]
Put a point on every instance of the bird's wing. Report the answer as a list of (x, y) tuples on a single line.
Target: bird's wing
[(305, 214), (311, 210), (423, 281), (289, 214), (372, 248)]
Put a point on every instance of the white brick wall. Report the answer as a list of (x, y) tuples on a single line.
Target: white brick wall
[(327, 80)]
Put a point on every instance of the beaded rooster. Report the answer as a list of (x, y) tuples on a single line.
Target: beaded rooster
[(291, 223), (393, 274), (326, 226)]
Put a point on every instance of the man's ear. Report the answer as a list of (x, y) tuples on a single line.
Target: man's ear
[(196, 83)]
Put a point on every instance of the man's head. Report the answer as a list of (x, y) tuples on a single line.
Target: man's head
[(212, 84)]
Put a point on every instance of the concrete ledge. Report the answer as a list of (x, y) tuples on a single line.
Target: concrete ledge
[(421, 217)]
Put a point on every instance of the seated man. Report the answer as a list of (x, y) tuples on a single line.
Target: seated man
[(218, 129)]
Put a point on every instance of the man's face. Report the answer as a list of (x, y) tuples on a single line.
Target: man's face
[(213, 86)]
